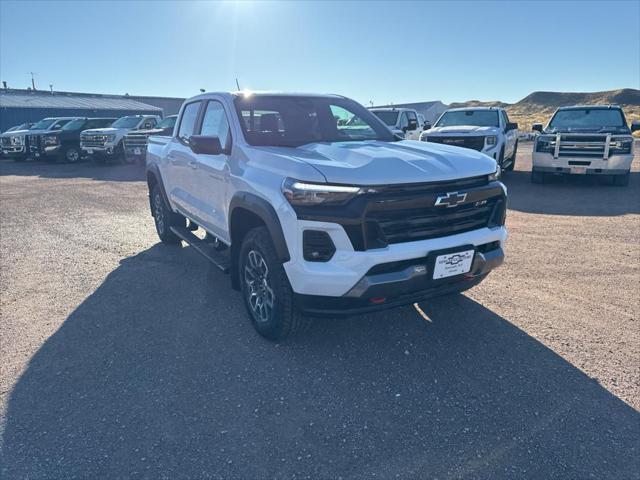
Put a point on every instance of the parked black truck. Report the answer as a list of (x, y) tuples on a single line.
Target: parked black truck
[(64, 143), (135, 142)]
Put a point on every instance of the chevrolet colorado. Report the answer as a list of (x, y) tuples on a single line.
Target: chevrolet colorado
[(584, 140), (315, 207), (485, 129)]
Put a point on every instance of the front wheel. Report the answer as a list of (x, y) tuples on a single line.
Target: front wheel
[(537, 177), (267, 294), (72, 154), (164, 218), (512, 160), (621, 180)]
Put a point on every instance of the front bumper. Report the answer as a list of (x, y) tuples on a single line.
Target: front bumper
[(13, 151), (107, 150), (347, 274), (614, 165)]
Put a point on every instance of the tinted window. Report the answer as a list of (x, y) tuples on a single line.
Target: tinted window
[(76, 124), (126, 122), (59, 124), (43, 124), (389, 117), (279, 120), (168, 122), (474, 118), (587, 118), (215, 123), (188, 121)]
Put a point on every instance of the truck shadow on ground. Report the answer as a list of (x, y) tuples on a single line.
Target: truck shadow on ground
[(573, 195), (158, 374), (109, 172)]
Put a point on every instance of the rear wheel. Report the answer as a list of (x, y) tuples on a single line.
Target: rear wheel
[(621, 180), (164, 218), (537, 177), (265, 288)]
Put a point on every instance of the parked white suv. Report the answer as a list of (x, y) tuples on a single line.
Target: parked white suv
[(101, 144), (314, 207), (404, 122), (584, 140), (485, 129)]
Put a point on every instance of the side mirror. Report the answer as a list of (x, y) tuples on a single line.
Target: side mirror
[(426, 126), (413, 125), (511, 126), (537, 127), (635, 125), (205, 144)]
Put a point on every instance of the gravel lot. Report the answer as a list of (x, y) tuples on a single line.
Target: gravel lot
[(124, 358)]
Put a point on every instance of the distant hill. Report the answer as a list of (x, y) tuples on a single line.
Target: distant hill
[(538, 106)]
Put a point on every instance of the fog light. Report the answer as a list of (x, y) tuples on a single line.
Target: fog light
[(317, 246)]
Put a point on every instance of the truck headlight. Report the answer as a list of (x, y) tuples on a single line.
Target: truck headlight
[(17, 140), (495, 175), (50, 140), (621, 145), (308, 194), (545, 143), (491, 140)]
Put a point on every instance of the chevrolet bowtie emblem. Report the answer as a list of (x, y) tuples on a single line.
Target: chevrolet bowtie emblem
[(451, 199)]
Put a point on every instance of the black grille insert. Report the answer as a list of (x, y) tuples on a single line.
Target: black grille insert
[(474, 143)]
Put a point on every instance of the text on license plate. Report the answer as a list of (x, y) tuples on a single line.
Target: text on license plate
[(451, 264), (579, 170)]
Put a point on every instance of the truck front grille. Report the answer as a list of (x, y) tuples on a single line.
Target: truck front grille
[(5, 141), (89, 141), (474, 143), (34, 142), (134, 140), (582, 145)]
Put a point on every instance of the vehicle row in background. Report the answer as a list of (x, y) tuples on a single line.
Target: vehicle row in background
[(135, 142), (71, 139)]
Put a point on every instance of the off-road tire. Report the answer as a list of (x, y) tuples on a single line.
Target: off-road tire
[(284, 319), (72, 154), (621, 180), (164, 218), (537, 177), (510, 167)]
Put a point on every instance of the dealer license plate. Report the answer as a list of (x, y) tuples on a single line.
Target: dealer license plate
[(579, 170), (451, 264), (137, 151)]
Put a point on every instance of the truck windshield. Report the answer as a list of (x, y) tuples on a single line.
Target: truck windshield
[(291, 121), (472, 118), (587, 119), (389, 117), (126, 122), (168, 122), (43, 124), (76, 124)]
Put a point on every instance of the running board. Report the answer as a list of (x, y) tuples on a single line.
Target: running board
[(204, 248)]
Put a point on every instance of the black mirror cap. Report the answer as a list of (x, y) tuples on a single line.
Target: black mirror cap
[(537, 127), (426, 126), (413, 125), (635, 126), (512, 126), (205, 144)]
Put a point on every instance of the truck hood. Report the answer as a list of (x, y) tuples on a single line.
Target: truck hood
[(105, 131), (461, 130), (16, 132), (154, 131), (378, 163)]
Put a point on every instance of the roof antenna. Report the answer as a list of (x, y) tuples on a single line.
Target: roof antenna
[(237, 84), (33, 82)]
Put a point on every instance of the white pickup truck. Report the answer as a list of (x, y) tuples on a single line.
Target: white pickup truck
[(102, 144), (315, 207), (404, 122), (485, 129), (584, 140)]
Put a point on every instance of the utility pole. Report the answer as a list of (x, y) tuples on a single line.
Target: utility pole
[(33, 82)]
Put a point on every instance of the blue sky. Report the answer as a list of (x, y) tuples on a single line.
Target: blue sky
[(380, 51)]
